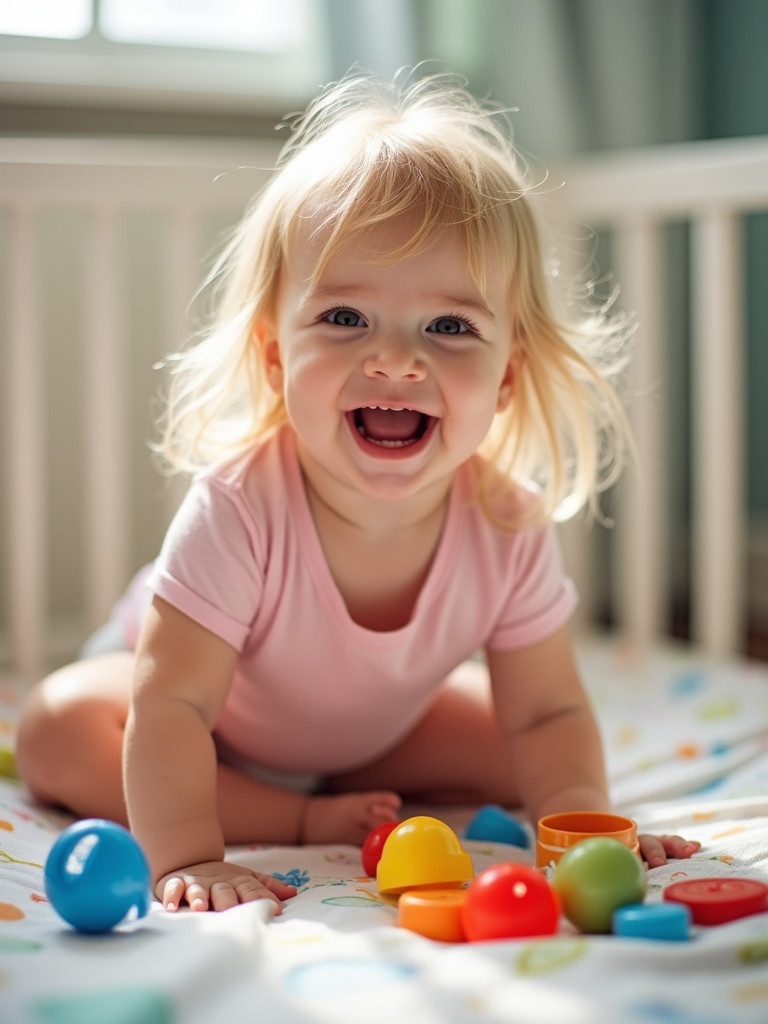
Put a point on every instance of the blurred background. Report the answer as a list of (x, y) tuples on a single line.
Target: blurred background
[(582, 76)]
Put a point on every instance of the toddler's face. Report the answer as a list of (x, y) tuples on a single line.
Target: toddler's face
[(391, 371)]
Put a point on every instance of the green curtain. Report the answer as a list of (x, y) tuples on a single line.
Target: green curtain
[(582, 74)]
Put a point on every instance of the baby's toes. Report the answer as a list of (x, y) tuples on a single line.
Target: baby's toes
[(380, 808)]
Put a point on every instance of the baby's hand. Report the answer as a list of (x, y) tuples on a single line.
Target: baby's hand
[(656, 849), (218, 885)]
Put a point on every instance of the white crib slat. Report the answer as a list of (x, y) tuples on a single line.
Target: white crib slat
[(185, 271), (639, 584), (578, 536), (185, 277), (718, 551), (25, 489), (107, 492)]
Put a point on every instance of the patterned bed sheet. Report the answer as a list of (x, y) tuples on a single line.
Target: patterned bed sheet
[(687, 745)]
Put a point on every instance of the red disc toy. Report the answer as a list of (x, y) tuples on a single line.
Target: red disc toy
[(717, 900)]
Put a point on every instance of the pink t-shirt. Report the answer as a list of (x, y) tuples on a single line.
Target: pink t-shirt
[(313, 690)]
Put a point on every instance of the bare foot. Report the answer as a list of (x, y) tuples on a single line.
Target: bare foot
[(347, 818)]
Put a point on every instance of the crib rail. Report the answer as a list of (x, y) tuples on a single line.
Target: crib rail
[(710, 186), (106, 183)]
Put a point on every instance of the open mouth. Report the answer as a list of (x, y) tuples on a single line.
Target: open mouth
[(391, 427)]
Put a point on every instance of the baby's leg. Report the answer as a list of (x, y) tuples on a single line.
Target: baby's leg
[(70, 737), (69, 753), (251, 810), (350, 816), (455, 754)]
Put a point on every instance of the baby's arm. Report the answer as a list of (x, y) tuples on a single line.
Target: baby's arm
[(554, 742), (183, 674), (555, 748)]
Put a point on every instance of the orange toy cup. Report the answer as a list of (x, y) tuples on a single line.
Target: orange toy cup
[(558, 832)]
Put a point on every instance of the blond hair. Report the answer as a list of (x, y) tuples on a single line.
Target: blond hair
[(365, 152)]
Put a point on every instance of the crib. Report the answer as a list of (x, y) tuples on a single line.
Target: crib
[(103, 245), (81, 505), (709, 188), (80, 199)]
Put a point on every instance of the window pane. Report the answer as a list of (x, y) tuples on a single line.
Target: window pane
[(52, 19), (254, 25)]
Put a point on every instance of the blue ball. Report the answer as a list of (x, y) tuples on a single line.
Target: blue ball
[(96, 874), (495, 825)]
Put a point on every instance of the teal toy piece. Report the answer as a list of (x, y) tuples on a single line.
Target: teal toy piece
[(96, 875), (495, 825), (670, 922)]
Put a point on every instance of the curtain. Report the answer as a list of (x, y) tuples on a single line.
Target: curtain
[(583, 74)]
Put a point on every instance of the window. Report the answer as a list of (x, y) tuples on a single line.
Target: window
[(169, 52), (52, 19), (267, 25)]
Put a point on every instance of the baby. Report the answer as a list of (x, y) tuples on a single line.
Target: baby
[(382, 421)]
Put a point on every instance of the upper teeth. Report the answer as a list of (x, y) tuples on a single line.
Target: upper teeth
[(387, 408)]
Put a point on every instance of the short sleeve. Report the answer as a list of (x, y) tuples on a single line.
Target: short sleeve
[(540, 598), (208, 567)]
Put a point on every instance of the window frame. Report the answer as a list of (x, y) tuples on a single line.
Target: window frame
[(96, 71)]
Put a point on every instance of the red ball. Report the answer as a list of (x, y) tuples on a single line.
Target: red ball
[(509, 901), (373, 846)]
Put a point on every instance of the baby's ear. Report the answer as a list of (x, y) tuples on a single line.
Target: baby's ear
[(269, 353), (511, 371), (507, 385)]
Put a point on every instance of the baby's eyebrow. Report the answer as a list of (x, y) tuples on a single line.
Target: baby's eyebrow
[(449, 301), (465, 302), (324, 291)]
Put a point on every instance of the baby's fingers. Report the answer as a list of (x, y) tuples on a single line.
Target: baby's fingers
[(655, 850), (276, 888), (175, 890), (677, 846), (259, 887), (219, 886), (223, 896)]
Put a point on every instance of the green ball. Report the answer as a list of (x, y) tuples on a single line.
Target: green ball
[(8, 765), (596, 877)]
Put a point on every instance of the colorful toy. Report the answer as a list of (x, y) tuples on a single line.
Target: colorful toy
[(96, 875), (509, 901), (718, 900), (669, 922), (595, 878), (422, 851), (495, 825), (374, 844), (557, 833), (434, 913)]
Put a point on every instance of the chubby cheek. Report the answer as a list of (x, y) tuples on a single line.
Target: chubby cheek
[(475, 403), (310, 392)]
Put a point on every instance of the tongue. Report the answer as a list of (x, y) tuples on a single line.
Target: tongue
[(390, 424)]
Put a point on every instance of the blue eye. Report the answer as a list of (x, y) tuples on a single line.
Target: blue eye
[(342, 316), (451, 325)]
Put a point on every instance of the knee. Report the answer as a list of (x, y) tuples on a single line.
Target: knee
[(58, 728), (43, 733)]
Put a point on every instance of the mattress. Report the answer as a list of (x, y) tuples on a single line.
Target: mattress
[(687, 746)]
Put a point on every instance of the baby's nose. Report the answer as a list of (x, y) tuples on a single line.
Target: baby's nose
[(396, 361)]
